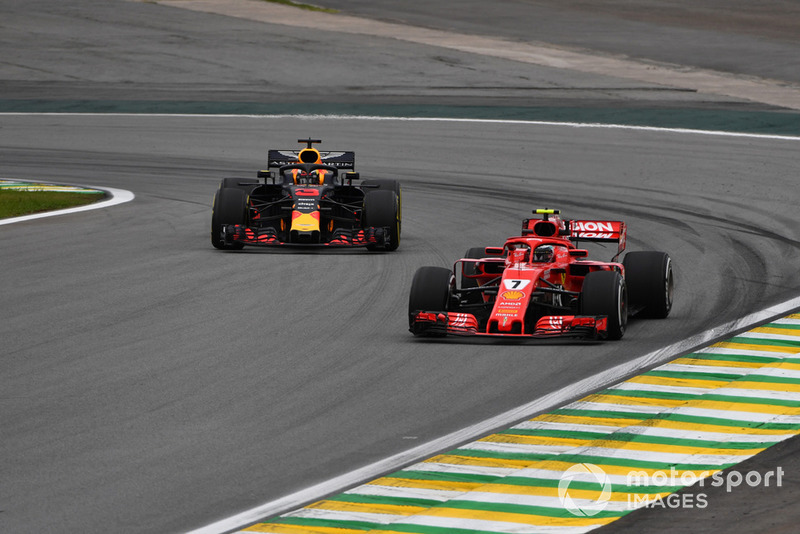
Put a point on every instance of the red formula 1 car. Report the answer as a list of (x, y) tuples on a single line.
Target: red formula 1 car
[(310, 198), (540, 285)]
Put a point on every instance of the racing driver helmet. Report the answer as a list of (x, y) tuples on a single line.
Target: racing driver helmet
[(543, 253), (295, 176)]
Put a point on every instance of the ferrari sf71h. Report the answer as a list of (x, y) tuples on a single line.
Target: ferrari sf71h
[(541, 285), (307, 197)]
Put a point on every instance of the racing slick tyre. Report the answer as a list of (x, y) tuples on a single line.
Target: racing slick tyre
[(605, 293), (469, 268), (245, 184), (650, 282), (430, 291), (392, 185), (230, 207), (381, 210)]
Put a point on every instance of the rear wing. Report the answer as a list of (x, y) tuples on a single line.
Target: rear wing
[(599, 231), (342, 160)]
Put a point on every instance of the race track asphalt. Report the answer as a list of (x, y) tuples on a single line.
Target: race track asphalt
[(153, 384)]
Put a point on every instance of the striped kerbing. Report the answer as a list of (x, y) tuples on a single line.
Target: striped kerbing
[(648, 437)]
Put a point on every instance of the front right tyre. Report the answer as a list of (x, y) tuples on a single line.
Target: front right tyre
[(430, 291), (381, 210), (230, 207), (605, 293)]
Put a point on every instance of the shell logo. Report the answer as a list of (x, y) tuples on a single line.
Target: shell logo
[(513, 295)]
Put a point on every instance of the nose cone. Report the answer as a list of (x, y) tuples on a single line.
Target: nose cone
[(305, 222)]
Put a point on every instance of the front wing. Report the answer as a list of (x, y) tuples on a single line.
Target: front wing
[(549, 326), (268, 236)]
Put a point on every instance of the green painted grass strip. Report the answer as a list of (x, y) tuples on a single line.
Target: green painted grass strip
[(15, 203)]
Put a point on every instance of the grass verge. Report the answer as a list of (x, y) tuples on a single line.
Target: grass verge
[(18, 203)]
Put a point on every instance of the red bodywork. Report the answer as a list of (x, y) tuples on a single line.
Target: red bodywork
[(514, 291)]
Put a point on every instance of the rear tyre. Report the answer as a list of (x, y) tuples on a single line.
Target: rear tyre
[(381, 211), (430, 291), (605, 293), (230, 207), (392, 185), (650, 282)]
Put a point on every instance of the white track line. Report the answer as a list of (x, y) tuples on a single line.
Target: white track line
[(118, 196)]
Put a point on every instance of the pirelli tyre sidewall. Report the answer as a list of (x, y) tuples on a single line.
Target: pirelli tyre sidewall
[(230, 207), (381, 210), (650, 281), (605, 293), (431, 288), (393, 185)]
